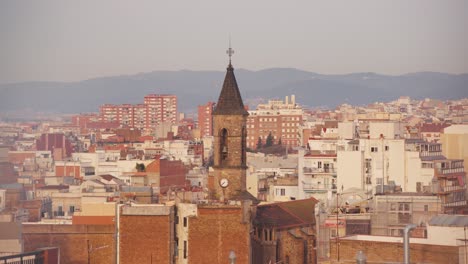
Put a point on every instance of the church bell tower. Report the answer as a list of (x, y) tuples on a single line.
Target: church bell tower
[(229, 129)]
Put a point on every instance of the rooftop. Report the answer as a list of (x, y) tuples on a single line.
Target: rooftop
[(287, 214), (230, 100), (449, 220)]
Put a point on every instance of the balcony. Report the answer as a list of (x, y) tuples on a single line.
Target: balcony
[(318, 187), (442, 172), (308, 170), (447, 189), (455, 204)]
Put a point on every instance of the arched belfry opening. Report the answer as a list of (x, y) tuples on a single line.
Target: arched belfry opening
[(223, 147)]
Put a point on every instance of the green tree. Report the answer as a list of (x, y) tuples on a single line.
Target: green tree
[(140, 167), (269, 140), (259, 143)]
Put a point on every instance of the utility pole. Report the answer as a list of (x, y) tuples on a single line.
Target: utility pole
[(464, 231), (337, 229), (89, 251)]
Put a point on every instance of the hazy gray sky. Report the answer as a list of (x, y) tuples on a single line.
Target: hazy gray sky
[(76, 40)]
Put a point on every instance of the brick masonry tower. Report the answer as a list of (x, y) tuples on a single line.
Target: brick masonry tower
[(229, 131)]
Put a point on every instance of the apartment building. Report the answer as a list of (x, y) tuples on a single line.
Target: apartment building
[(281, 119), (205, 119), (317, 174), (57, 143), (392, 212), (156, 109), (451, 181), (160, 108)]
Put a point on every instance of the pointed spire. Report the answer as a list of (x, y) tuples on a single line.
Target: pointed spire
[(230, 100)]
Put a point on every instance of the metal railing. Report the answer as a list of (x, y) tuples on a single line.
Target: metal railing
[(452, 188), (311, 186), (35, 257), (319, 170)]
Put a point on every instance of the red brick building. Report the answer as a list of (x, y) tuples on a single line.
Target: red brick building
[(161, 108), (166, 174), (68, 168), (281, 119), (57, 143), (205, 119), (215, 231), (147, 234), (82, 120), (78, 244), (7, 173), (156, 109)]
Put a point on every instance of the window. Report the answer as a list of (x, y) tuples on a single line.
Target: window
[(185, 221), (185, 249), (405, 207), (374, 149), (319, 164), (281, 192), (387, 148), (72, 209)]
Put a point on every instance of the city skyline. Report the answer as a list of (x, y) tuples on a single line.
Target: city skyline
[(53, 41)]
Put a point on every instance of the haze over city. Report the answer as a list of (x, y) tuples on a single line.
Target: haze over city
[(240, 132), (72, 41)]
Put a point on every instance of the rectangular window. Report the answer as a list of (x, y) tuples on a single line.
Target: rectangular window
[(374, 149), (319, 164), (387, 148), (185, 221), (404, 207), (185, 249), (72, 209), (283, 192)]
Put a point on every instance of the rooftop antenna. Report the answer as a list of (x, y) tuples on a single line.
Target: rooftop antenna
[(230, 51)]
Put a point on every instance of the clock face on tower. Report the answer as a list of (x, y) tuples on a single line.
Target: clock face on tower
[(224, 182)]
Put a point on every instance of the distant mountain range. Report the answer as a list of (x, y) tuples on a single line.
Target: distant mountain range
[(198, 87)]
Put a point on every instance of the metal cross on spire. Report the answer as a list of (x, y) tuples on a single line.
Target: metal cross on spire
[(230, 51)]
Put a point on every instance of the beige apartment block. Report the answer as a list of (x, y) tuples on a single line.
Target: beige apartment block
[(455, 143)]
